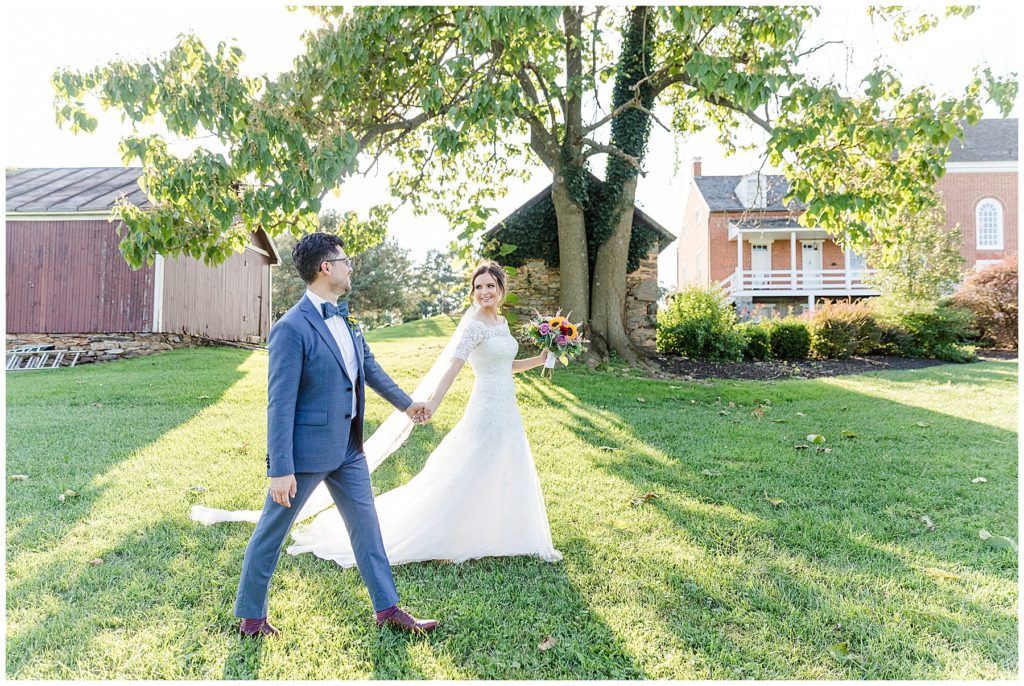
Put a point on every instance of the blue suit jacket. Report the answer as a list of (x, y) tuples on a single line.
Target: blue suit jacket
[(309, 393)]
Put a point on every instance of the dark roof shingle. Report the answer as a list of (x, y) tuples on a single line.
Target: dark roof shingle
[(990, 140), (720, 193)]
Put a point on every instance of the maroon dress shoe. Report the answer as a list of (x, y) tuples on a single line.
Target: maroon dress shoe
[(400, 619), (263, 628)]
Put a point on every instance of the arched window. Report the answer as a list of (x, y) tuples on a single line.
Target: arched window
[(988, 216)]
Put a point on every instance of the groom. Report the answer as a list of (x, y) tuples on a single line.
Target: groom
[(319, 363)]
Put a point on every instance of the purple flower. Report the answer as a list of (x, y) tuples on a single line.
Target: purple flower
[(544, 329), (562, 340)]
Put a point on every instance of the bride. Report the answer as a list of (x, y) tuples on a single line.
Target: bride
[(478, 494)]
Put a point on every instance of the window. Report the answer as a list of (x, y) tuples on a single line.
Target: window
[(981, 264), (858, 263), (989, 225)]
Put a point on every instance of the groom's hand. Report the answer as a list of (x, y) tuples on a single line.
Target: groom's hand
[(282, 489), (418, 412)]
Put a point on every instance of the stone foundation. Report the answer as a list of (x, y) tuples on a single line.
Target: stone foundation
[(98, 347), (537, 286)]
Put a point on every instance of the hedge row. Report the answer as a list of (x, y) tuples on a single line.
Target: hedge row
[(700, 324)]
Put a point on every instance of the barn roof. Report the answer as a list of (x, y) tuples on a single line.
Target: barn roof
[(72, 189), (92, 190)]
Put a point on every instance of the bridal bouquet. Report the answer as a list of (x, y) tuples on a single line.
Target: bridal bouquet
[(560, 337)]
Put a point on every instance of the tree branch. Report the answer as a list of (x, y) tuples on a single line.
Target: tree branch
[(547, 97), (598, 148), (818, 47), (665, 80)]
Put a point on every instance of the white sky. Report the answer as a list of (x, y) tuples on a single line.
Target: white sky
[(40, 37)]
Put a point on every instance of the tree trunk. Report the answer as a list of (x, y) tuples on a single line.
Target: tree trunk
[(608, 306), (574, 272)]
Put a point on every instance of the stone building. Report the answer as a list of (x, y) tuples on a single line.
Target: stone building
[(533, 229)]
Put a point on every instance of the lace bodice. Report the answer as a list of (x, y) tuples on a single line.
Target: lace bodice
[(489, 349)]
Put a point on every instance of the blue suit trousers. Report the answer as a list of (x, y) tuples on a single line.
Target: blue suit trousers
[(349, 485)]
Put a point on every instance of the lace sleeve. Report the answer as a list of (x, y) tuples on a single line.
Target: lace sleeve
[(471, 337)]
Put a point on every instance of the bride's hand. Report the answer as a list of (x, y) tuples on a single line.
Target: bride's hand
[(430, 407), (544, 355)]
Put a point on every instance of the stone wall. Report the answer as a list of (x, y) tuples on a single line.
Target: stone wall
[(101, 347), (537, 287)]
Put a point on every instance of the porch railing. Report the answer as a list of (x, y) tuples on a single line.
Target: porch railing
[(800, 281)]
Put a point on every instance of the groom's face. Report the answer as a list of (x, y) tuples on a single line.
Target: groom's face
[(339, 273)]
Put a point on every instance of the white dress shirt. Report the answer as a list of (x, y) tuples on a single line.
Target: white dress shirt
[(343, 338)]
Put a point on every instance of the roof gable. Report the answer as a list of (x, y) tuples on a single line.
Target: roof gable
[(640, 218), (720, 193)]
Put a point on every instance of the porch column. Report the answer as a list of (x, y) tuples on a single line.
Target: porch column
[(792, 260), (810, 302), (739, 257), (846, 266)]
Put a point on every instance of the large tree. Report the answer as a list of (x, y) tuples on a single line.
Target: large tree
[(454, 97)]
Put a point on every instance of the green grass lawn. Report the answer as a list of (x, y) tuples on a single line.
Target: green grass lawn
[(708, 580)]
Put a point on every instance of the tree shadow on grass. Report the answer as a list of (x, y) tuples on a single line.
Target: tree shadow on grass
[(160, 607), (845, 558), (66, 429)]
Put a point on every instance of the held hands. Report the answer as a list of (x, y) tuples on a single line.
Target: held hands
[(419, 412), (282, 489)]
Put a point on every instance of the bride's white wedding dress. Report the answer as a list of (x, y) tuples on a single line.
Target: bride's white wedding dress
[(478, 494)]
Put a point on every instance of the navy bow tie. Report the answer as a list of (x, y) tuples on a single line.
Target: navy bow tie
[(329, 310)]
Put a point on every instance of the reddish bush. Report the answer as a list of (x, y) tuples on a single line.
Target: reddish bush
[(991, 294)]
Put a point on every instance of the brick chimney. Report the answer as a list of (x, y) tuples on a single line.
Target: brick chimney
[(696, 166)]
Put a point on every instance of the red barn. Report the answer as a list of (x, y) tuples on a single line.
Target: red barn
[(66, 276)]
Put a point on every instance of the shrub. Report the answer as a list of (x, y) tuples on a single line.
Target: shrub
[(699, 324), (790, 339), (991, 294), (841, 329), (894, 340), (936, 330), (758, 344)]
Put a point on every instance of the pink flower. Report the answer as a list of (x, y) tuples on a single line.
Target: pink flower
[(562, 340), (544, 329)]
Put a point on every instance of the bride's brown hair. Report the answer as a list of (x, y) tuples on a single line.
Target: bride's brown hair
[(496, 272)]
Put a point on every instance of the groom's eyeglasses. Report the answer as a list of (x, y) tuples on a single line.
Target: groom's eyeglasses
[(346, 260)]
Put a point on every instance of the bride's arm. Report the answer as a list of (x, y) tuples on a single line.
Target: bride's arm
[(444, 384), (529, 362)]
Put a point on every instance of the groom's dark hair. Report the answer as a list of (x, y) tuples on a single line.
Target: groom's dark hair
[(311, 251)]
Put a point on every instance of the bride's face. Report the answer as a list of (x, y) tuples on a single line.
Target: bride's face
[(486, 292)]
